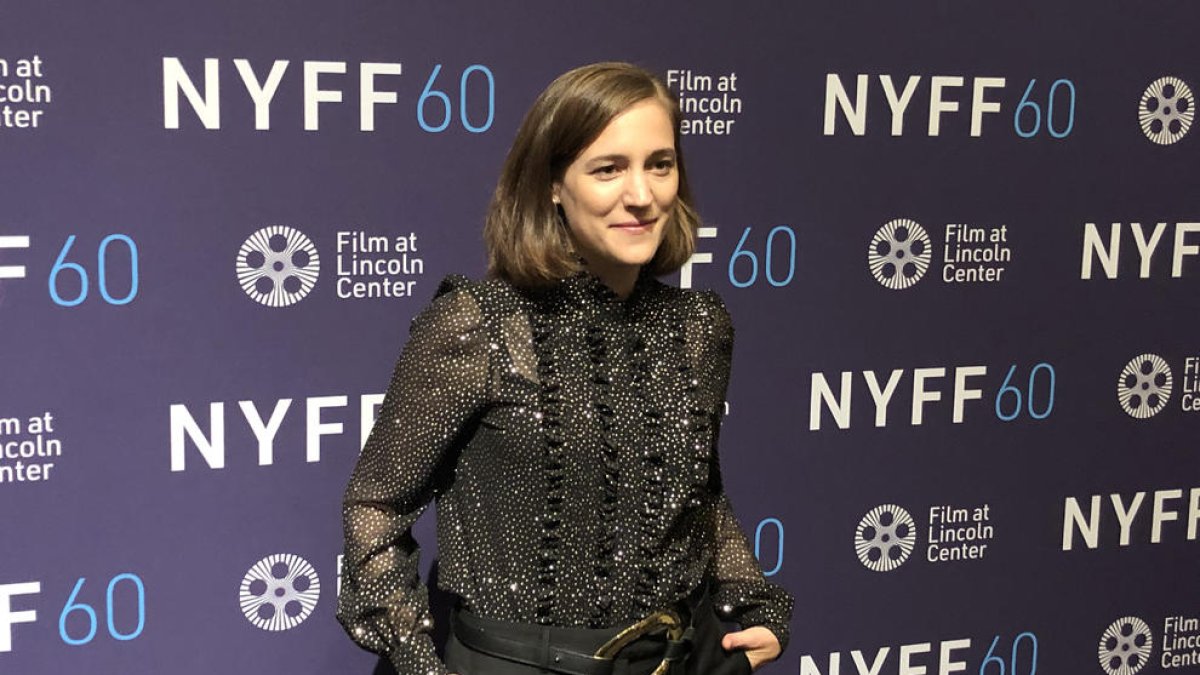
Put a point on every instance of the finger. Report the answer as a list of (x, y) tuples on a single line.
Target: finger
[(737, 640)]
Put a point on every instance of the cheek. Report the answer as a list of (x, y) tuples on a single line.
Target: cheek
[(598, 200), (667, 192)]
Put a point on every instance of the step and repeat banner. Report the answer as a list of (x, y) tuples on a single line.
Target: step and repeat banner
[(960, 243)]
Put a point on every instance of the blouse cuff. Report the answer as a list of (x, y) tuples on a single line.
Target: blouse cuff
[(416, 655), (769, 607)]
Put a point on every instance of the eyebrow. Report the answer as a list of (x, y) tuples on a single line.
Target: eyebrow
[(614, 157)]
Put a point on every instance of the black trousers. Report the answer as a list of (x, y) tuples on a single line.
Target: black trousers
[(706, 657)]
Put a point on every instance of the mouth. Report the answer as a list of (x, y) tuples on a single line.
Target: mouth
[(635, 226)]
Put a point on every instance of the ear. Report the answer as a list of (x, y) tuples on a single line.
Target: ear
[(554, 193)]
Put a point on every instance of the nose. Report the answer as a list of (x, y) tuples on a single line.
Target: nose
[(637, 189)]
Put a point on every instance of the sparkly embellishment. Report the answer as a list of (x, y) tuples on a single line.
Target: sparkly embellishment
[(586, 489)]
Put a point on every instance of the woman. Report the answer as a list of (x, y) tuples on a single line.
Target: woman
[(564, 414)]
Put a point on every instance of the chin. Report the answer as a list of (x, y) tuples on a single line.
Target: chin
[(639, 256), (636, 261)]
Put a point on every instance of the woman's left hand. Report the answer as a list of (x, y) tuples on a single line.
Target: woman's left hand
[(760, 645)]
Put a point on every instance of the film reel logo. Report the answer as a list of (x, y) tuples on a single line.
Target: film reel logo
[(1125, 647), (885, 537), (279, 592), (1144, 387), (278, 266), (1166, 110), (899, 254)]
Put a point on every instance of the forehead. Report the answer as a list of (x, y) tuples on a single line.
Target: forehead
[(642, 128)]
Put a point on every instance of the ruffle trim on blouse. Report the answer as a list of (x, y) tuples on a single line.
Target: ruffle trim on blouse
[(553, 464), (697, 421), (602, 414), (700, 413), (653, 487), (661, 487)]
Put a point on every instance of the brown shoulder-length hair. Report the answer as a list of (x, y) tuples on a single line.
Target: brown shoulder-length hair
[(525, 234)]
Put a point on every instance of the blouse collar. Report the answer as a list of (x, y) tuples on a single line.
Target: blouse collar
[(585, 288)]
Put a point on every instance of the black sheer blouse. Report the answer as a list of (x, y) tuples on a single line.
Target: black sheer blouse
[(570, 440)]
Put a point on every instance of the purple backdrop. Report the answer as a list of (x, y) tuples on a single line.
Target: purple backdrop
[(960, 245)]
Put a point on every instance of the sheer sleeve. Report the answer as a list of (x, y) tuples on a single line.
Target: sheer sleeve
[(438, 386), (742, 593)]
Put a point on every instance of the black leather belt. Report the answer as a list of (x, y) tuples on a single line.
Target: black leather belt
[(572, 651)]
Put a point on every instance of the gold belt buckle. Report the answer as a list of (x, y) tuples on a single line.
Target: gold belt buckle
[(664, 618)]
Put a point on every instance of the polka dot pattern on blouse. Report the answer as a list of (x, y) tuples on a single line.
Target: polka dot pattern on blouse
[(569, 438)]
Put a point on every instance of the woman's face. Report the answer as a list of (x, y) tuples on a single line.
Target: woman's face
[(618, 193)]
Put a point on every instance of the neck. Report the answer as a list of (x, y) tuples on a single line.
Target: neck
[(621, 279)]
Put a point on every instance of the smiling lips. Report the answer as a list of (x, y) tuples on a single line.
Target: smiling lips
[(635, 226)]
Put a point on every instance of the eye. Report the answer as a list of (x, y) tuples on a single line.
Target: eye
[(663, 166), (606, 171)]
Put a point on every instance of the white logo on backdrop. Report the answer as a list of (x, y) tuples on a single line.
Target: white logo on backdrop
[(277, 266), (1125, 647), (1144, 387), (885, 537), (1166, 110), (279, 592), (899, 254)]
